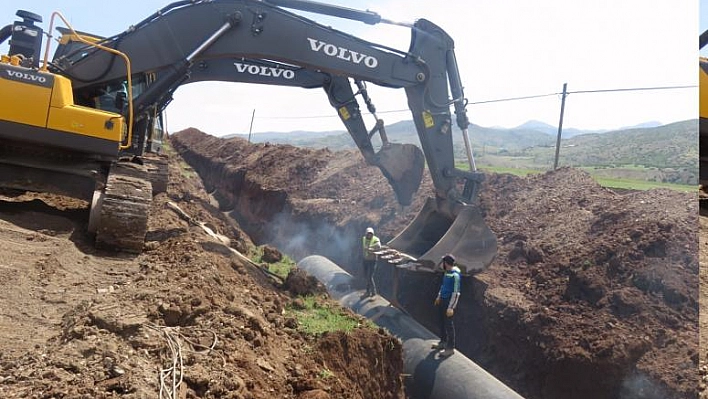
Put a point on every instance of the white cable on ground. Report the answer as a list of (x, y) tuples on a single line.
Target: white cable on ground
[(171, 377)]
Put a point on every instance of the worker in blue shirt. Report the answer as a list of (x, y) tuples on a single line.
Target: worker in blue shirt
[(447, 299)]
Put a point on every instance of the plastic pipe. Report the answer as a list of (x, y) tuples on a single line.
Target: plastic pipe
[(455, 377)]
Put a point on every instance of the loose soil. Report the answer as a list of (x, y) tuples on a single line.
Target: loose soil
[(593, 294), (703, 324), (76, 322)]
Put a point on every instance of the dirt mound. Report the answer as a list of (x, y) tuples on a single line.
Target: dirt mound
[(187, 315), (608, 282), (593, 294), (285, 194), (703, 320)]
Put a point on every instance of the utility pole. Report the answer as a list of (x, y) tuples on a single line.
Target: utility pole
[(250, 129), (560, 125)]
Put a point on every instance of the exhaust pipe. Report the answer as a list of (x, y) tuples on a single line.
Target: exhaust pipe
[(455, 377)]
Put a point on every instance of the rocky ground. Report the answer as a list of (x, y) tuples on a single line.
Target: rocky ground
[(593, 294)]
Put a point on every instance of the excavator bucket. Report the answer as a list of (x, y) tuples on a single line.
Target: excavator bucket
[(403, 165), (432, 234)]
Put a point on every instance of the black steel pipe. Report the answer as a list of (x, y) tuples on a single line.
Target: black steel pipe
[(455, 377)]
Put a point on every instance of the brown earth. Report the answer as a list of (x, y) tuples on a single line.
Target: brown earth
[(593, 294), (80, 323), (703, 325)]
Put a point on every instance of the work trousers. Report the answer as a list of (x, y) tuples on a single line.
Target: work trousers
[(369, 271), (447, 325)]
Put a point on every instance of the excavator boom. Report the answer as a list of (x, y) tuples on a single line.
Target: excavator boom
[(262, 38)]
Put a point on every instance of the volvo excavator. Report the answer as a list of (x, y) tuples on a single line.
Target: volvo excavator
[(86, 123)]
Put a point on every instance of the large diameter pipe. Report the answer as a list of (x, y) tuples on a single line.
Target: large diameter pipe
[(455, 377)]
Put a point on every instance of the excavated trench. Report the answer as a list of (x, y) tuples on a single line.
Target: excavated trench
[(268, 216), (498, 327)]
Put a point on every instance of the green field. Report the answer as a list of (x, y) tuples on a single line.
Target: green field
[(642, 185), (598, 175), (504, 169)]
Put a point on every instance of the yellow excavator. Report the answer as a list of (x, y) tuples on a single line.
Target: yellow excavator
[(58, 141), (85, 123)]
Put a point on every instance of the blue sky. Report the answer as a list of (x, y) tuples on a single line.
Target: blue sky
[(505, 49)]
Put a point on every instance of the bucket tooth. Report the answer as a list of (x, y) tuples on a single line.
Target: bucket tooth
[(414, 266), (433, 233)]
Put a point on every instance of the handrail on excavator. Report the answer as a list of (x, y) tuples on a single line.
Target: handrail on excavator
[(126, 59)]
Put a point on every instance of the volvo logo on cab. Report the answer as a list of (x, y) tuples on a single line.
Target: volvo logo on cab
[(26, 76), (263, 70), (342, 53)]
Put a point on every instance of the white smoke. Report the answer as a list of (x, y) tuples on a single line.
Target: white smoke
[(639, 386), (299, 239)]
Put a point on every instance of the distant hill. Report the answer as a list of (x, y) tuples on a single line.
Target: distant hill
[(524, 135), (277, 137), (553, 130), (404, 132), (641, 125), (672, 146), (669, 146), (572, 132), (621, 143)]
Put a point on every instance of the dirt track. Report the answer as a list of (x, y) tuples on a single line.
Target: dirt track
[(593, 294)]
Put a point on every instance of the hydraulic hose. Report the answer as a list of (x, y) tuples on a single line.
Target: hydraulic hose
[(5, 33)]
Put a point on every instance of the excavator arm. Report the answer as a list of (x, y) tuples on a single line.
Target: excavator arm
[(401, 164), (159, 46)]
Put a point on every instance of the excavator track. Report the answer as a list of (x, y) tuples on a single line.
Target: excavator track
[(123, 209), (158, 170)]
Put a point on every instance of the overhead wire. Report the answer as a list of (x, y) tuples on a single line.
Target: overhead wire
[(506, 99), (634, 89)]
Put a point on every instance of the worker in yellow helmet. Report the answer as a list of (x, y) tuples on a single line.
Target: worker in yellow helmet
[(370, 244)]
